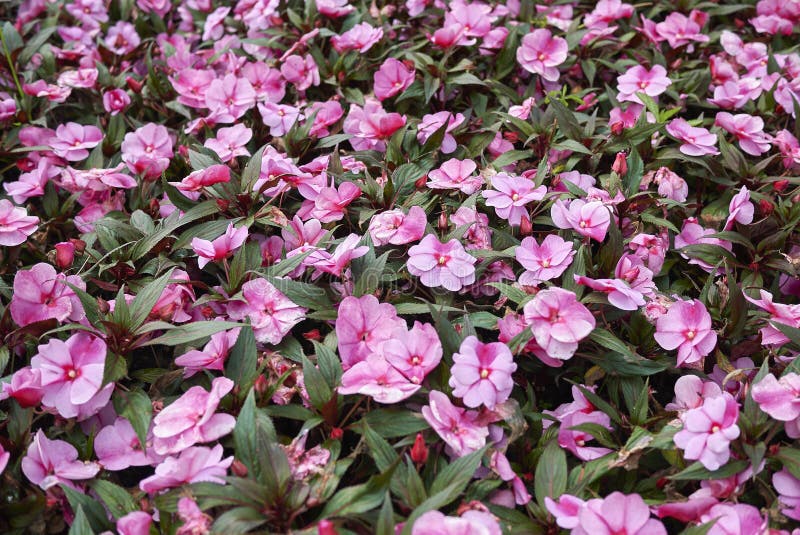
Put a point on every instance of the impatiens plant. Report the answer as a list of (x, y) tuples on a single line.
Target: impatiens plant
[(421, 267)]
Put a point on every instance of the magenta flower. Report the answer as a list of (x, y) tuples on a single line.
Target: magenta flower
[(392, 78), (749, 130), (148, 150), (4, 457), (193, 465), (459, 428), (686, 327), (376, 378), (558, 321), (441, 264), (481, 373), (213, 355), (543, 262), (541, 53), (456, 174), (590, 219), (695, 141), (415, 352), (362, 326), (741, 209), (220, 248), (371, 125), (360, 37), (432, 122), (617, 514), (71, 372), (638, 79), (191, 419), (337, 262), (15, 224), (25, 387), (780, 398), (115, 101), (73, 141), (53, 462), (708, 431), (204, 178), (396, 227), (511, 195), (788, 489), (271, 313), (117, 447), (230, 142)]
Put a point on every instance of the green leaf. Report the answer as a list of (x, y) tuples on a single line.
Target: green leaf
[(89, 303), (550, 479), (359, 498), (696, 471), (135, 406), (118, 500), (382, 452), (457, 475), (610, 341), (385, 525), (192, 332), (94, 516), (790, 457), (329, 364), (169, 225), (80, 525), (146, 299), (510, 157), (238, 520), (242, 364), (319, 393)]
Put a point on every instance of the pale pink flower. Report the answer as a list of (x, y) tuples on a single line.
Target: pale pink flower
[(620, 120), (192, 418), (708, 431), (159, 7), (279, 117), (53, 462), (371, 126), (193, 465), (25, 387), (692, 233), (115, 101), (558, 321), (230, 142), (362, 326), (651, 248), (741, 209), (479, 234), (441, 264), (691, 391), (748, 129), (456, 174), (638, 79), (325, 115), (271, 313), (53, 93), (136, 522), (670, 185), (696, 141), (392, 78), (607, 11), (780, 398), (430, 123), (396, 227), (576, 178), (15, 224), (566, 510), (214, 27), (229, 98), (617, 514), (117, 447), (481, 373), (40, 293), (328, 203), (32, 183), (267, 82), (678, 29), (122, 39), (788, 488), (772, 25), (415, 352), (220, 248), (511, 194), (541, 53), (195, 521), (336, 263), (686, 327), (148, 150), (779, 313), (191, 86), (376, 378), (300, 71), (213, 355), (734, 519), (619, 292), (460, 429), (576, 440), (334, 8), (203, 178), (83, 78), (73, 141), (590, 219), (471, 522), (543, 262), (360, 37), (522, 111)]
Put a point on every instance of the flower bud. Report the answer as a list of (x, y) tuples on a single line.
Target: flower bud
[(238, 468), (326, 527), (525, 226), (134, 85), (780, 185), (260, 385), (443, 223), (421, 181), (65, 254), (419, 451), (337, 433), (620, 165), (765, 206)]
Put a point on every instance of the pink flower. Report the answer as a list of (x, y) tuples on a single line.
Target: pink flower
[(194, 520), (191, 86), (708, 431), (543, 262), (73, 141), (471, 522), (780, 398), (25, 387), (117, 447), (362, 326), (741, 209), (72, 373), (575, 440), (734, 519), (32, 183), (213, 355), (52, 462), (691, 391), (203, 178), (40, 293), (334, 8), (115, 101), (788, 489), (638, 79), (478, 235), (271, 313), (136, 522), (229, 98), (558, 321), (617, 514), (566, 510), (371, 125), (302, 72), (432, 122), (325, 114), (220, 248), (230, 142), (376, 378), (651, 248), (392, 78), (459, 428), (686, 327), (305, 462), (329, 203), (481, 373), (336, 263), (415, 352), (522, 111), (619, 292), (456, 174), (511, 195), (148, 150), (678, 29), (15, 224), (779, 313), (670, 185), (191, 419), (692, 233), (279, 117), (590, 219), (749, 130), (193, 465), (214, 27), (441, 264), (396, 227), (122, 39), (696, 141), (541, 53), (360, 37)]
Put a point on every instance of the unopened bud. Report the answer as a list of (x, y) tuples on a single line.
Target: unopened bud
[(313, 334), (620, 165), (260, 385), (337, 433), (525, 226), (419, 451), (443, 223), (238, 468), (134, 85), (326, 527), (780, 185), (421, 181), (765, 206), (65, 254)]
